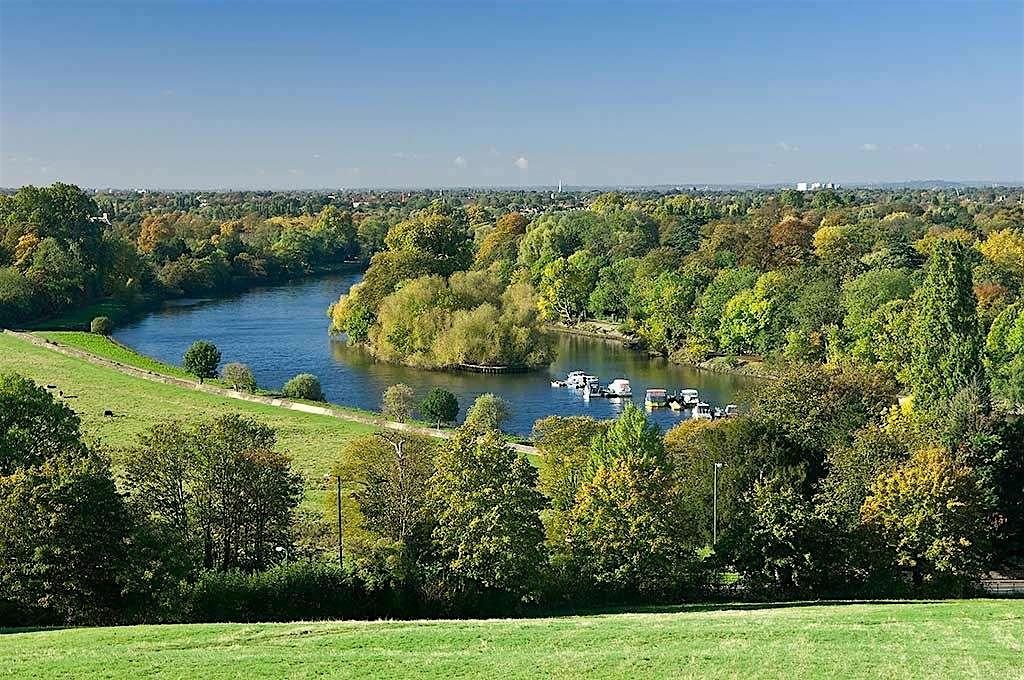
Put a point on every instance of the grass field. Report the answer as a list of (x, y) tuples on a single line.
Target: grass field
[(313, 441), (956, 639), (108, 349)]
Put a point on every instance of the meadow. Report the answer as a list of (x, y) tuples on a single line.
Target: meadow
[(962, 639), (313, 441)]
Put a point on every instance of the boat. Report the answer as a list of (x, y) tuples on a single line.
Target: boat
[(689, 397), (620, 388), (703, 411), (575, 379), (592, 388), (731, 410), (558, 383), (656, 398), (675, 404)]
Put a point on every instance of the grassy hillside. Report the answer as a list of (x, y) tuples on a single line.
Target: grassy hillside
[(965, 639), (312, 440), (108, 349)]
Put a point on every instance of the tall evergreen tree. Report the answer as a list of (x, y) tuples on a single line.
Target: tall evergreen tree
[(945, 338)]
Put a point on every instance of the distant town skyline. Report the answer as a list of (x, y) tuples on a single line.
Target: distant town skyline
[(401, 95)]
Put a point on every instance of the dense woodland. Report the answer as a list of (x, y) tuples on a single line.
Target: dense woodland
[(886, 457)]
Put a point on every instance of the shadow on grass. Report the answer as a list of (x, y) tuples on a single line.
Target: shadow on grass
[(700, 607)]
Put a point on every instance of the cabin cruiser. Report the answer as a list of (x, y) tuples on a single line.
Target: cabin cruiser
[(620, 388), (689, 397), (703, 411), (592, 388), (656, 398), (575, 380)]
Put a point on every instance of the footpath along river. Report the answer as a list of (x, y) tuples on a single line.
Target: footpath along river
[(282, 330)]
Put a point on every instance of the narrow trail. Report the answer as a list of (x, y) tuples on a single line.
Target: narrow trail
[(325, 410)]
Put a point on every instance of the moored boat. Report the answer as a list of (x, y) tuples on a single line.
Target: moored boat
[(656, 398)]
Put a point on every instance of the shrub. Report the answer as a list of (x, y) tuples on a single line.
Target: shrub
[(289, 592), (101, 325), (239, 376), (439, 406), (303, 386), (201, 359)]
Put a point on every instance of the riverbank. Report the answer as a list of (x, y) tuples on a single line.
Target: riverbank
[(97, 397), (125, 311), (746, 366)]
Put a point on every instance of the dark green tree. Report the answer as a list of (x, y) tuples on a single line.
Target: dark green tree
[(201, 359), (439, 406), (34, 427), (945, 339)]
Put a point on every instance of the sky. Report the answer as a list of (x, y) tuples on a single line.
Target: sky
[(207, 95)]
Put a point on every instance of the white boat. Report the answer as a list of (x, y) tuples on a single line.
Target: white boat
[(703, 411), (592, 388), (656, 398), (620, 388), (558, 383), (575, 379), (731, 410), (689, 397)]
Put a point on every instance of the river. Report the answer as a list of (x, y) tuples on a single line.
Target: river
[(282, 330)]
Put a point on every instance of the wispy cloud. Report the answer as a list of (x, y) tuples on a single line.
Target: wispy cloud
[(915, 147), (406, 155), (787, 147), (522, 163), (460, 162), (869, 147)]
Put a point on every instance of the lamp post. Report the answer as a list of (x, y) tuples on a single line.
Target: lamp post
[(714, 505)]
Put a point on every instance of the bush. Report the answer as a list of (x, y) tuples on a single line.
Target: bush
[(439, 406), (201, 359), (101, 325), (290, 592), (303, 386), (239, 376)]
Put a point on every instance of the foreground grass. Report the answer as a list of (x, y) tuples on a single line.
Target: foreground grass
[(956, 639), (313, 441)]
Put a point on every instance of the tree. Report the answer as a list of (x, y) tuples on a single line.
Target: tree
[(101, 325), (488, 539), (564, 461), (239, 376), (386, 477), (201, 359), (931, 515), (65, 542), (944, 335), (34, 427), (627, 531), (439, 406), (1004, 354), (488, 412), (303, 386), (219, 486), (566, 285), (397, 403)]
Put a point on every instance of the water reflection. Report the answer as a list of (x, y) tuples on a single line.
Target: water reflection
[(280, 331)]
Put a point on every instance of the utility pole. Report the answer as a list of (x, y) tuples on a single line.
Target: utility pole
[(714, 510), (341, 533)]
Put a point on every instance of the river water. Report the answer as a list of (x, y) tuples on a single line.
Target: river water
[(282, 330)]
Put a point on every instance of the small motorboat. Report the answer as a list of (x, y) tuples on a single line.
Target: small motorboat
[(575, 379), (592, 388), (731, 410), (703, 411), (620, 388), (689, 397), (558, 383), (656, 398)]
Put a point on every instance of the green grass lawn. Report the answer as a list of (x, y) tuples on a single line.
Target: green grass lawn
[(955, 639), (313, 441), (109, 349)]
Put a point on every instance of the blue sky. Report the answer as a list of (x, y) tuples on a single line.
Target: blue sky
[(303, 94)]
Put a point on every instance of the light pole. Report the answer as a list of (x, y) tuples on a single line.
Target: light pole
[(714, 505)]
